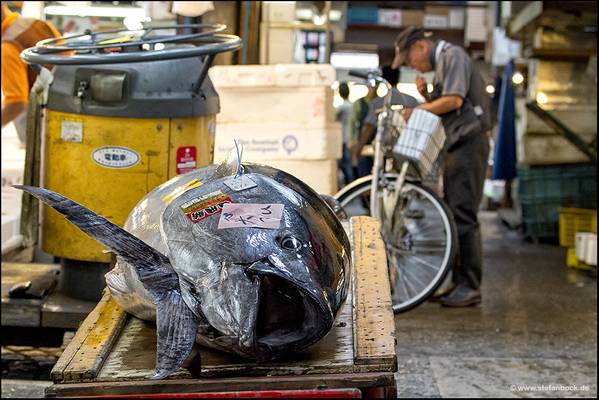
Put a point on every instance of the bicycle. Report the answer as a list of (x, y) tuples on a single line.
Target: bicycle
[(416, 225)]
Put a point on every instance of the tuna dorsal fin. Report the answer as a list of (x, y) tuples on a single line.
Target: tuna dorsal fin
[(177, 325), (231, 166)]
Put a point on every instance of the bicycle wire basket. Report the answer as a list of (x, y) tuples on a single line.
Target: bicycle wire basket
[(420, 142)]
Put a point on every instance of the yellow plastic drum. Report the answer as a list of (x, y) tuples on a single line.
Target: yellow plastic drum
[(114, 133)]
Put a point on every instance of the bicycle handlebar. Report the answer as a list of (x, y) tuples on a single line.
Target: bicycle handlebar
[(358, 74)]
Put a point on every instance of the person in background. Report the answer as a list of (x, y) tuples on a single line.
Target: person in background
[(343, 114), (366, 134), (19, 33), (359, 112), (459, 98)]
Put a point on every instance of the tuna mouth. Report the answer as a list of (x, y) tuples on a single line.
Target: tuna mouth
[(289, 318)]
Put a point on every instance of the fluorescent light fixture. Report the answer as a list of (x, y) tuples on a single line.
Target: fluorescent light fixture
[(306, 14), (319, 20), (335, 15), (355, 60), (100, 11)]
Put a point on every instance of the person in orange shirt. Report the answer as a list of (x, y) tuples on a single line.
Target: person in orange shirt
[(19, 33)]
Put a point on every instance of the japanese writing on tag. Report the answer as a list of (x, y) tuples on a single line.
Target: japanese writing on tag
[(205, 206), (239, 215)]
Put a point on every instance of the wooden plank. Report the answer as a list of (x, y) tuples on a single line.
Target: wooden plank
[(61, 311), (374, 326), (134, 355), (325, 381), (84, 356), (13, 273), (21, 312)]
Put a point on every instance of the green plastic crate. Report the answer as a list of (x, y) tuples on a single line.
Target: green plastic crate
[(544, 189)]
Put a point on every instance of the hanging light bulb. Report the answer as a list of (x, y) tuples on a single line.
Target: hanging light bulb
[(517, 78)]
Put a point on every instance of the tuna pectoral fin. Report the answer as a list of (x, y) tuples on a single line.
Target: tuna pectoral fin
[(177, 327), (153, 268)]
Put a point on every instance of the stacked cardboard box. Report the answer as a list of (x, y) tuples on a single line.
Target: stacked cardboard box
[(283, 116)]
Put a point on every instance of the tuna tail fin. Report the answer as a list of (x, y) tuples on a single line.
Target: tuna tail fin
[(177, 324), (231, 166)]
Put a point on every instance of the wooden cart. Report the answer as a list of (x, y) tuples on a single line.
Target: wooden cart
[(114, 353)]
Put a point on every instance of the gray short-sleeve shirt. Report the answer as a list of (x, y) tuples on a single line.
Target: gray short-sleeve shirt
[(456, 76), (396, 98)]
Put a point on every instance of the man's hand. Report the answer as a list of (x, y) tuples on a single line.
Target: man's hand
[(407, 112), (421, 86), (355, 150)]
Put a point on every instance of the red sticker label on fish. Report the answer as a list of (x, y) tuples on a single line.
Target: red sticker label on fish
[(186, 159), (205, 206)]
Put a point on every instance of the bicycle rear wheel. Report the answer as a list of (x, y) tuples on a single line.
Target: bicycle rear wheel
[(420, 246)]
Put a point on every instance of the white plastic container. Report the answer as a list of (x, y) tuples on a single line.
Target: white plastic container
[(591, 250), (582, 241), (421, 141)]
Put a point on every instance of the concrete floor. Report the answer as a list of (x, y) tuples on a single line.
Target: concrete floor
[(537, 325)]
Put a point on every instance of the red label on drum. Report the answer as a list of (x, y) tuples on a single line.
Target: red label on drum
[(186, 159)]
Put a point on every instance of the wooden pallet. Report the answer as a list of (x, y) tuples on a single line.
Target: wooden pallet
[(114, 353)]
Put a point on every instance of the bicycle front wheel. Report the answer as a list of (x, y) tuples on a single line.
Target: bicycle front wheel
[(420, 245)]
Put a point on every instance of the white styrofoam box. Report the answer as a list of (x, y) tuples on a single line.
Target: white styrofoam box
[(547, 149), (494, 189), (11, 237), (309, 107), (582, 243), (456, 17), (278, 143), (476, 30), (421, 140), (390, 17), (11, 217), (278, 11), (11, 201), (591, 253), (12, 173), (320, 175), (435, 21), (277, 44), (281, 75)]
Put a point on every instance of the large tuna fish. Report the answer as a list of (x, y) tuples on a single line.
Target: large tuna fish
[(245, 259)]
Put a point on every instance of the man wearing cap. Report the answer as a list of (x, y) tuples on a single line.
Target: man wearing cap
[(459, 98)]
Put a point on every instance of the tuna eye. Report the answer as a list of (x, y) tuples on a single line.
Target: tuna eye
[(290, 243)]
